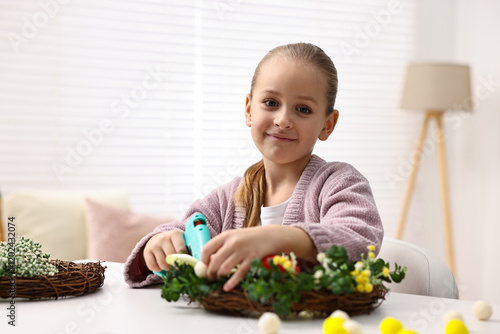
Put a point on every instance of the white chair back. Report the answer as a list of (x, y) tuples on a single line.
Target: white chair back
[(426, 274)]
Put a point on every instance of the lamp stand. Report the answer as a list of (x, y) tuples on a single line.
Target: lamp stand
[(438, 116)]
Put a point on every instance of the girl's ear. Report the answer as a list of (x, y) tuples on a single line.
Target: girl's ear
[(330, 123), (248, 114)]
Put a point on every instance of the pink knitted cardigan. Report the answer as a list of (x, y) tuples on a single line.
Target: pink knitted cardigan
[(332, 202)]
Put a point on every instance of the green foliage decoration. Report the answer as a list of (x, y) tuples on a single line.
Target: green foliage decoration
[(277, 279), (23, 257)]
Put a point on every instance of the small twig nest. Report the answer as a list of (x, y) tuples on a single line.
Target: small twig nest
[(73, 279)]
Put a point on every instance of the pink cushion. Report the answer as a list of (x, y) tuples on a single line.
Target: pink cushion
[(112, 233)]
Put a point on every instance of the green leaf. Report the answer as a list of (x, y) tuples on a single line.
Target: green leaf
[(204, 289), (277, 275), (169, 295), (253, 295), (377, 266), (282, 305), (263, 289), (399, 274), (337, 254), (305, 282)]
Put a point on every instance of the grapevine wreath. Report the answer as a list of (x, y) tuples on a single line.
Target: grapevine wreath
[(286, 285), (26, 272)]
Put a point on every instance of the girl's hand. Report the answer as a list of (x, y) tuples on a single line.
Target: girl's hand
[(161, 245), (232, 247)]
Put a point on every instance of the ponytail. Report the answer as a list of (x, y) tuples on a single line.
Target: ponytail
[(251, 193)]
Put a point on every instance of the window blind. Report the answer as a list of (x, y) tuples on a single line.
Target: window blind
[(148, 96)]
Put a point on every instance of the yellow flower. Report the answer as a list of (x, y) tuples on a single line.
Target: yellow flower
[(287, 265), (371, 255), (355, 272), (368, 287), (276, 260), (360, 288), (385, 271), (366, 273), (371, 248)]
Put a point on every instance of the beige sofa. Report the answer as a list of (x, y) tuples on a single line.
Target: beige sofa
[(78, 225)]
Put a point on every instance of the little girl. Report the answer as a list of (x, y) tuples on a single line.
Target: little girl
[(291, 200)]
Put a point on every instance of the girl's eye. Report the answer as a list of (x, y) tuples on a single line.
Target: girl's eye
[(304, 110), (271, 103)]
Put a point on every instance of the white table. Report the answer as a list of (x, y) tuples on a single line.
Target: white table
[(116, 308)]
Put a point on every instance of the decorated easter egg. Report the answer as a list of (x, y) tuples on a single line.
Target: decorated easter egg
[(200, 269)]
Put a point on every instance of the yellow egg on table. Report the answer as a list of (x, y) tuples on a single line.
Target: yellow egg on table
[(390, 326), (334, 326), (456, 327)]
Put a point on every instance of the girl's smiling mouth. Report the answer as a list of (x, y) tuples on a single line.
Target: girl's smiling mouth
[(280, 137)]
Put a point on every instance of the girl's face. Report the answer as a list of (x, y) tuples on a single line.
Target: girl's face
[(287, 112)]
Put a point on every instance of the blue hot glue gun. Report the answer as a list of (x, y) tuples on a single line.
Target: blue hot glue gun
[(196, 235)]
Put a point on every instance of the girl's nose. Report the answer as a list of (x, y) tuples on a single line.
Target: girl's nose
[(282, 120)]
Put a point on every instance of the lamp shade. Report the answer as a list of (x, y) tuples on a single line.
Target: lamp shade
[(437, 86)]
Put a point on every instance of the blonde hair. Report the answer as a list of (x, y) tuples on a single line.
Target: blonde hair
[(251, 193)]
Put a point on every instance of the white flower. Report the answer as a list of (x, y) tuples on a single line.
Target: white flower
[(320, 257), (325, 264), (358, 266), (318, 274)]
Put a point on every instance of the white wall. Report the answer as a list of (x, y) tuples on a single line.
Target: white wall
[(477, 150), (464, 31)]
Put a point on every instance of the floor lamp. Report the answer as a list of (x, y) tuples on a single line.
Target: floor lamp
[(435, 88)]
